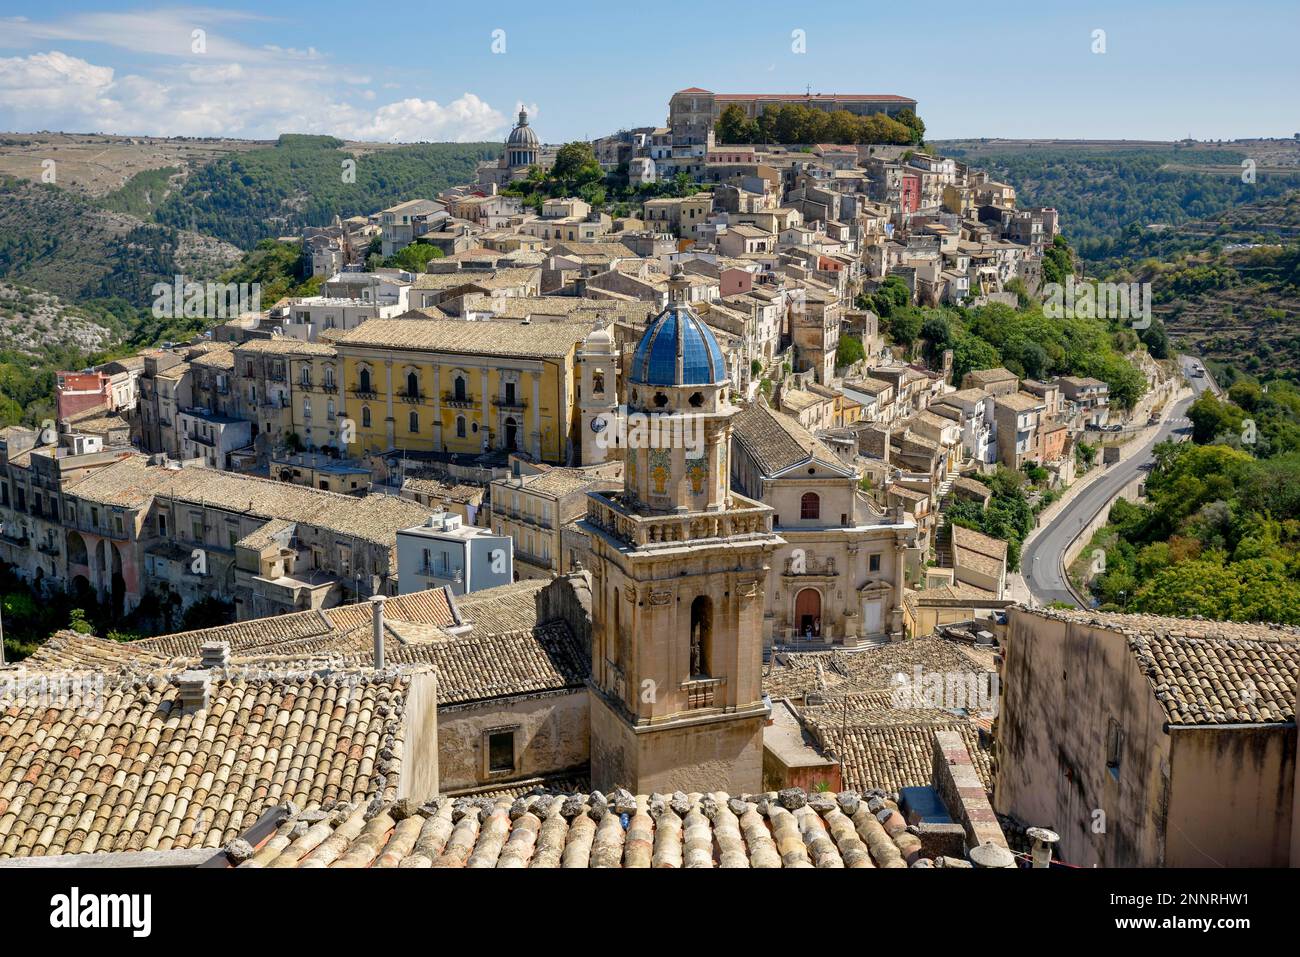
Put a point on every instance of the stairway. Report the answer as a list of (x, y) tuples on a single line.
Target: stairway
[(943, 545)]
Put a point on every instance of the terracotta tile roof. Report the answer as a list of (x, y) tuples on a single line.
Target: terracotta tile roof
[(578, 830), (286, 345), (982, 377), (137, 771), (978, 551), (488, 645), (775, 441), (477, 667), (132, 482), (457, 336), (504, 609), (1019, 401), (1206, 672), (896, 755), (559, 482), (793, 674)]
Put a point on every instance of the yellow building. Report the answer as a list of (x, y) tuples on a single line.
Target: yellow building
[(448, 385)]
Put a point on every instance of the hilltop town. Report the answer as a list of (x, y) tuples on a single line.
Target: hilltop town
[(637, 530)]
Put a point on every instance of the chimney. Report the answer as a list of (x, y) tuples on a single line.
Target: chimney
[(1044, 840), (215, 654), (194, 688), (377, 616)]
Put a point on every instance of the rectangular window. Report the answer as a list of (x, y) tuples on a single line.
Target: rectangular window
[(196, 529), (162, 524), (1114, 747), (501, 751), (873, 563)]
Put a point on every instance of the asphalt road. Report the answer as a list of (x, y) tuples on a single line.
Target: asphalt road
[(1041, 561)]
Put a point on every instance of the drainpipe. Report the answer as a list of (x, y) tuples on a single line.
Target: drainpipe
[(377, 617)]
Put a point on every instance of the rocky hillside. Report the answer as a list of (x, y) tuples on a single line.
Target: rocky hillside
[(35, 323)]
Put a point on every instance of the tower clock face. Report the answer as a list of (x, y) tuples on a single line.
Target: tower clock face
[(598, 425)]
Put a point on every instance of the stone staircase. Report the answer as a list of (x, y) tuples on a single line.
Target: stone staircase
[(943, 545)]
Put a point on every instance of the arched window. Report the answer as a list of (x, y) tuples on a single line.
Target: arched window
[(460, 388), (329, 376), (701, 636), (329, 409), (365, 416), (363, 380), (460, 426), (810, 506), (414, 424), (412, 386)]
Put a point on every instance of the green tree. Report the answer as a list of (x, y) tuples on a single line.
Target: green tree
[(413, 258), (576, 165), (1211, 418), (849, 351)]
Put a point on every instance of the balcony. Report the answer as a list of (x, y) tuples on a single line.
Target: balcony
[(516, 404), (364, 393), (446, 574), (329, 387), (702, 693), (14, 536), (746, 517), (457, 402), (410, 398)]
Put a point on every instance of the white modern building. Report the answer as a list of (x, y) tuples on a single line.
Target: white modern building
[(445, 551)]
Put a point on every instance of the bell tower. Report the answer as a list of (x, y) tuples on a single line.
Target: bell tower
[(598, 405), (679, 565)]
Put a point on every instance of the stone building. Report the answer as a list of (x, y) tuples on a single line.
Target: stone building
[(1151, 742), (679, 563), (838, 577), (111, 523)]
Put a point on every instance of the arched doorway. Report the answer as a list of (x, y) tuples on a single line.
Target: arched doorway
[(808, 613), (77, 552), (512, 435), (117, 583), (701, 636)]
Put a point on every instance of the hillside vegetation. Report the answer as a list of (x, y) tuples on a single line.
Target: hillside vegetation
[(1220, 533), (1108, 196), (63, 243), (300, 181)]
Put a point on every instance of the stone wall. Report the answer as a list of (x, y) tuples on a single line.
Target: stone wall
[(958, 784)]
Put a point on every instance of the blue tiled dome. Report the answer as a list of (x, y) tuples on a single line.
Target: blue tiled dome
[(677, 331)]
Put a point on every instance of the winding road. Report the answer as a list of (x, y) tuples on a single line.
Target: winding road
[(1041, 559)]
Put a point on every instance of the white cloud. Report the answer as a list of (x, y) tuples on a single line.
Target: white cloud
[(464, 118), (207, 96)]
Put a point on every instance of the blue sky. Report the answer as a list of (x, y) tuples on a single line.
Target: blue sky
[(428, 71)]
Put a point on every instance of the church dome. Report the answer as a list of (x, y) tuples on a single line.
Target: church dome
[(677, 349), (522, 134)]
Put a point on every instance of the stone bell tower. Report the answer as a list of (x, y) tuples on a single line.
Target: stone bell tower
[(679, 565), (598, 405)]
